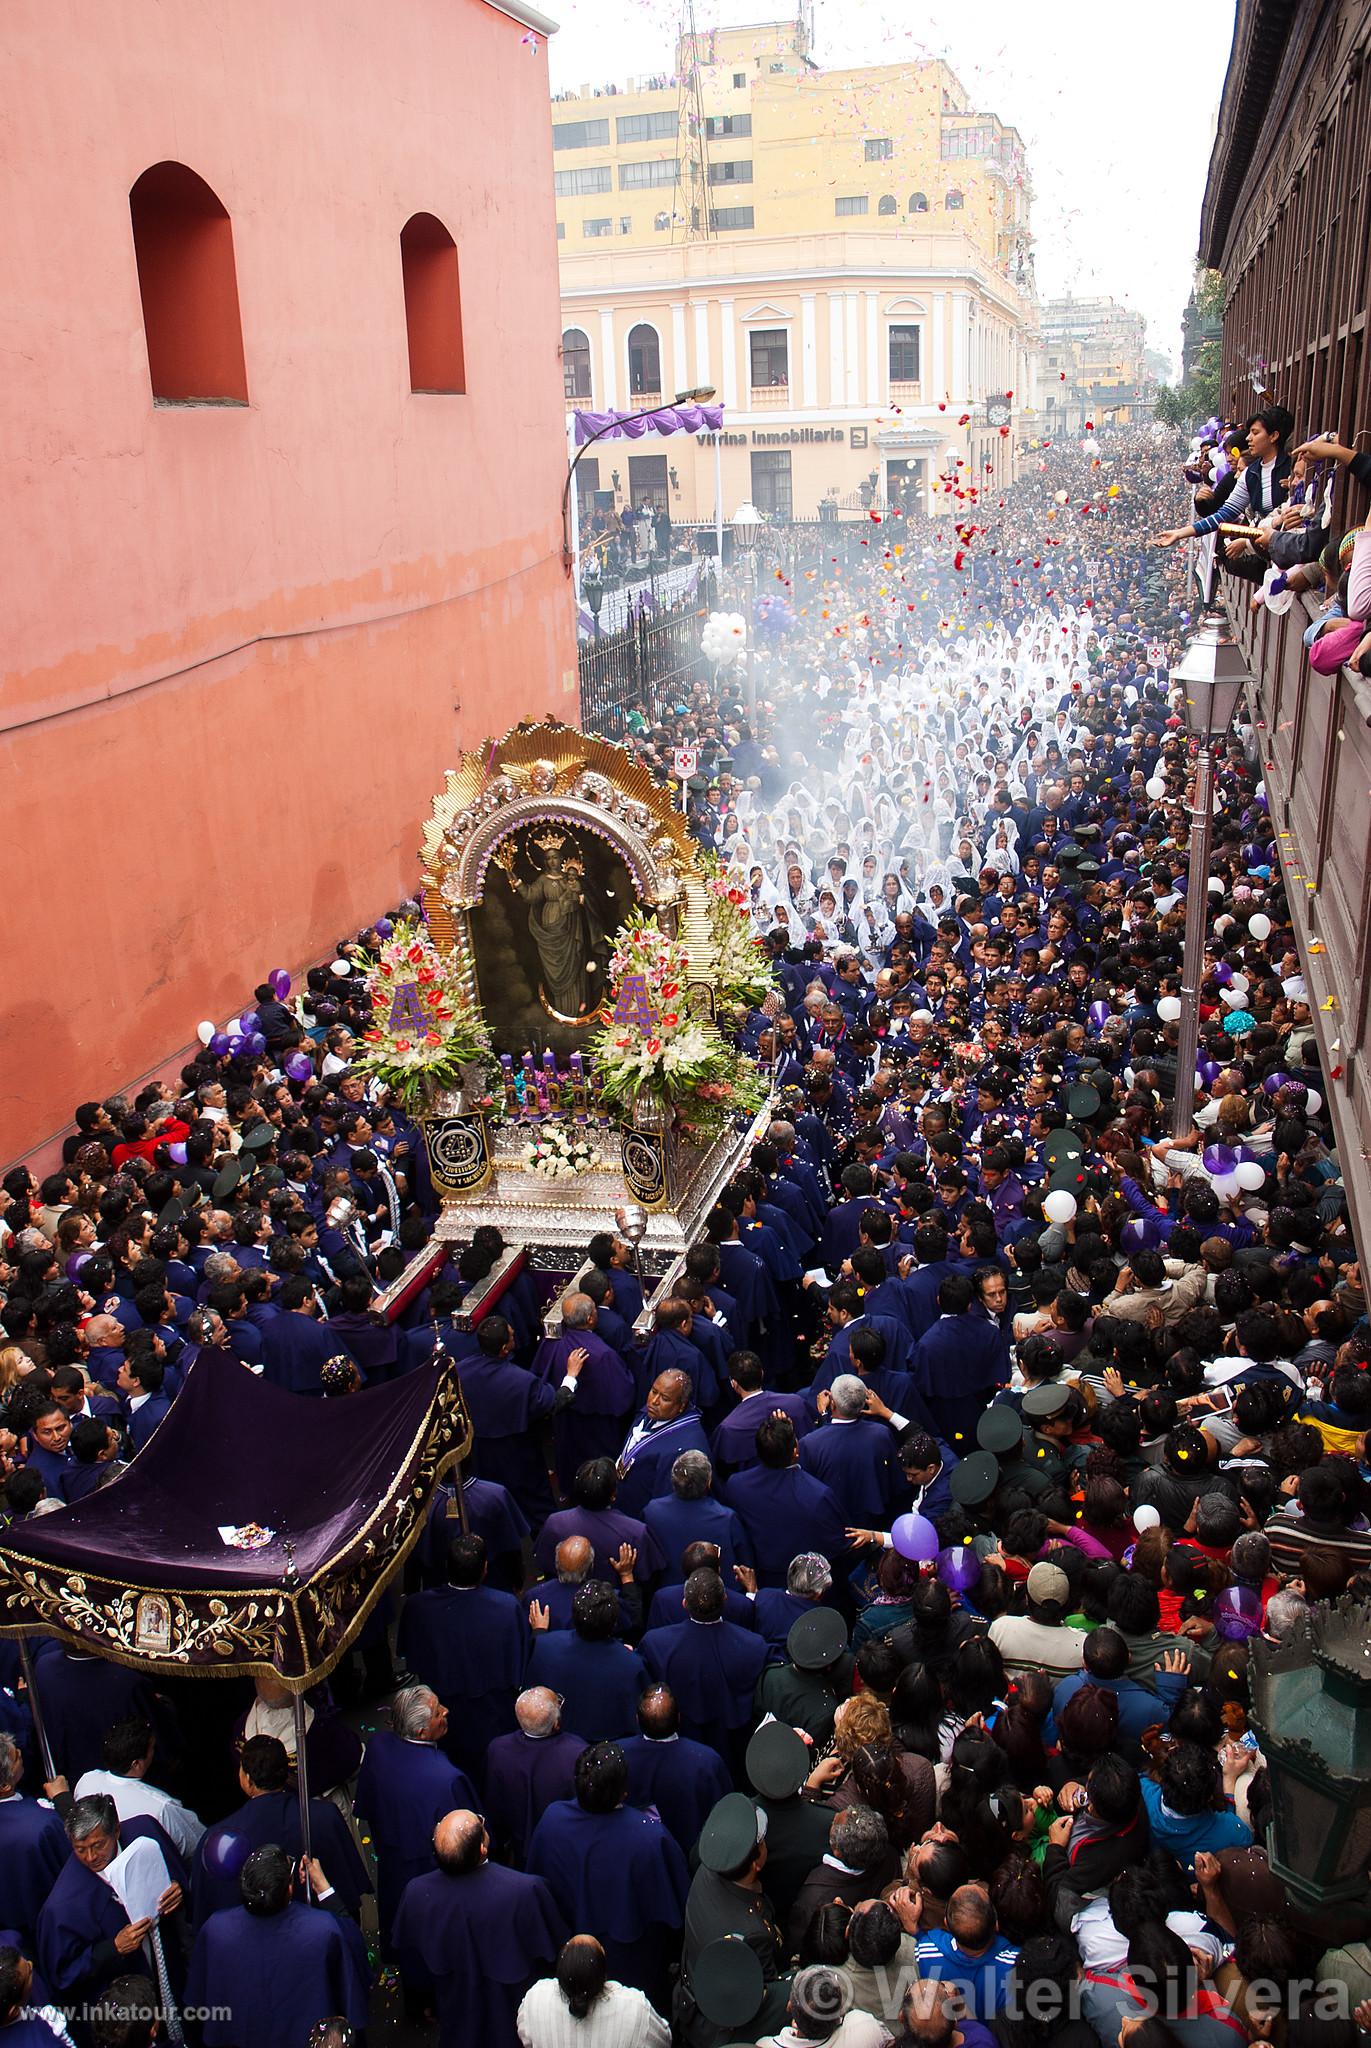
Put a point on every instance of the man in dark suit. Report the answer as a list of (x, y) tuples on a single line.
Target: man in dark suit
[(859, 1864), (527, 1769), (682, 1778), (783, 1509), (595, 1515), (468, 1643), (295, 1345), (668, 1427), (854, 1456), (691, 1514)]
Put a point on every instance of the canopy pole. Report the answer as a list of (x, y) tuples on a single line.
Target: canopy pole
[(36, 1709), (302, 1787)]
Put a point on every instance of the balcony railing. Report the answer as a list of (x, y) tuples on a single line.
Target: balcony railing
[(769, 397), (906, 391), (644, 401)]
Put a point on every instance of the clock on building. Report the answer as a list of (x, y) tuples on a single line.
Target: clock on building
[(997, 412)]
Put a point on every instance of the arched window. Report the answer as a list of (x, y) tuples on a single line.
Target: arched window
[(576, 363), (918, 202), (433, 305), (953, 200), (183, 246), (886, 203), (644, 361)]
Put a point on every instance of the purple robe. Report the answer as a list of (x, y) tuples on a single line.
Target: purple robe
[(277, 1974), (592, 1424), (524, 1774), (619, 1876), (404, 1789), (477, 1943)]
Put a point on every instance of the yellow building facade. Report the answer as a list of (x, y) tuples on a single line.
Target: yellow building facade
[(845, 256)]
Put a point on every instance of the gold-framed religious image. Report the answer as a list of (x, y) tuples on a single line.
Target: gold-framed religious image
[(541, 936)]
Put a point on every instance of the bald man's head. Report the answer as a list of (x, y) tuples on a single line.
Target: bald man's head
[(105, 1333), (574, 1556), (538, 1712), (578, 1312), (460, 1842), (658, 1717)]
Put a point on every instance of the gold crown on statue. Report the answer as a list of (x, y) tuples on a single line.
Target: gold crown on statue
[(551, 842)]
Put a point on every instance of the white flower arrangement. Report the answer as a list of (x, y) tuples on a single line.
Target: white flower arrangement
[(560, 1152)]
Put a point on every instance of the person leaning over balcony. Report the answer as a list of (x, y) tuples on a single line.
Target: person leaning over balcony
[(1262, 487)]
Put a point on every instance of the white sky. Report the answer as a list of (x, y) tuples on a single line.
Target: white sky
[(1116, 107)]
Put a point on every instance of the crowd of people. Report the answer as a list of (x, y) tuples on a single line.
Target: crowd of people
[(850, 1643)]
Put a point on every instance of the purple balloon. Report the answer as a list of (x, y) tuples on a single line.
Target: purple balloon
[(255, 1044), (1274, 1083), (1099, 1014), (177, 1154), (383, 927), (219, 1045), (915, 1537), (280, 982), (225, 1853), (1220, 1159), (1209, 1071), (1237, 1613), (249, 1022), (236, 1044), (1223, 974), (959, 1568), (299, 1066)]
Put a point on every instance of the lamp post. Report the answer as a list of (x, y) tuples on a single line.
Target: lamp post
[(747, 524), (571, 553), (1311, 1693), (1212, 676), (593, 590)]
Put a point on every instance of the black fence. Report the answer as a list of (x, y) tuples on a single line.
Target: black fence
[(643, 662)]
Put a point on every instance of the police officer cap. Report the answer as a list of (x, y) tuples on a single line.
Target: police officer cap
[(974, 1480), (258, 1138), (727, 1982), (731, 1834), (999, 1429), (816, 1640), (227, 1180), (1083, 1102), (1041, 1403), (777, 1761)]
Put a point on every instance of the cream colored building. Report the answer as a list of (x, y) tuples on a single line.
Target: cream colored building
[(1095, 371), (844, 255)]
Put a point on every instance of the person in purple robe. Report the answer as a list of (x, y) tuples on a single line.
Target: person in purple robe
[(472, 1937), (734, 1444), (527, 1770), (33, 1848), (85, 1937), (597, 1676), (295, 1345), (405, 1786), (492, 1513), (511, 1410), (468, 1642), (573, 1558), (680, 1779), (615, 1872), (668, 1425), (275, 1964), (691, 1514), (612, 1255), (591, 1424), (271, 1813), (595, 1514), (783, 1508), (711, 1665), (671, 1350), (82, 1697), (960, 1362), (26, 2018), (855, 1456)]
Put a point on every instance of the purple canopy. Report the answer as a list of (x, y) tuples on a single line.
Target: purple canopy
[(139, 1572), (668, 419)]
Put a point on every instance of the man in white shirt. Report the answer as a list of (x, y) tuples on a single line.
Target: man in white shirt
[(1038, 1640), (128, 1748)]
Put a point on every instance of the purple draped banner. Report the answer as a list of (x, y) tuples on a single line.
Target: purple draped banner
[(668, 419)]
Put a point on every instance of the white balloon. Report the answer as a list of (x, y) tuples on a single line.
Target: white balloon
[(1215, 886), (1234, 998), (1145, 1519), (1249, 1175), (1222, 924), (1169, 1009), (1059, 1206), (204, 1032), (1313, 1101), (1156, 789), (1225, 1185), (1260, 925), (1239, 984), (341, 966)]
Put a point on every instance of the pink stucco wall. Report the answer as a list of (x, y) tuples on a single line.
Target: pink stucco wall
[(240, 645)]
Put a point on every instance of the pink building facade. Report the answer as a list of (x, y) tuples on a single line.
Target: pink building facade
[(279, 280)]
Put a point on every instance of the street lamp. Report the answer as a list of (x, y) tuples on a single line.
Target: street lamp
[(1212, 676), (1310, 1697), (570, 550), (593, 590), (747, 524)]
